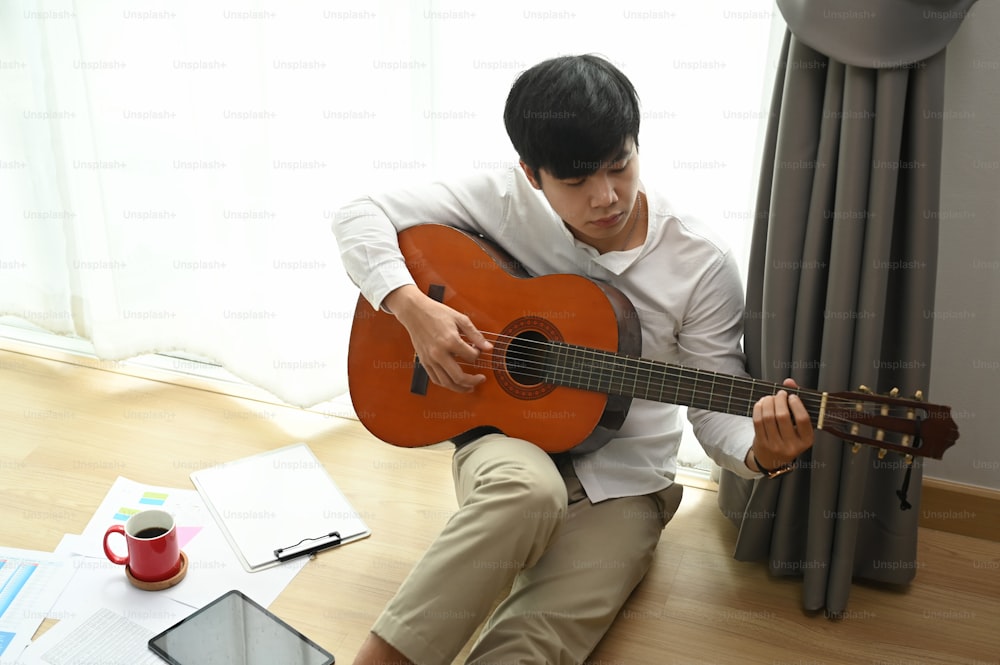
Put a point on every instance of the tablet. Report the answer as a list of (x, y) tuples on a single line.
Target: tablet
[(235, 630)]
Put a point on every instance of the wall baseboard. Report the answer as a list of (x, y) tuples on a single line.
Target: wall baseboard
[(961, 509)]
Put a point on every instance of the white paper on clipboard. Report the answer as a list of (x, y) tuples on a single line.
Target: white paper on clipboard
[(283, 499)]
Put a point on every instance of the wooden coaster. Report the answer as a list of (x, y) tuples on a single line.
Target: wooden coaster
[(162, 584)]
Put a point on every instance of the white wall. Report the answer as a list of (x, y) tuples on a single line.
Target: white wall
[(965, 366)]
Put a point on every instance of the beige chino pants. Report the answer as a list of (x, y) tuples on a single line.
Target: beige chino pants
[(529, 554)]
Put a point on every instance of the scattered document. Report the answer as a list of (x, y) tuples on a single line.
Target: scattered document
[(230, 526), (213, 567), (102, 636), (30, 583)]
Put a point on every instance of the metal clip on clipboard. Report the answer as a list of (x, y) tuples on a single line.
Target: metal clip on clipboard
[(308, 551)]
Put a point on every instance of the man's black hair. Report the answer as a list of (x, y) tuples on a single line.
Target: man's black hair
[(571, 114)]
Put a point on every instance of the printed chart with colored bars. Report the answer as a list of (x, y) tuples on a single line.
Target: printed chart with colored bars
[(30, 582), (14, 576)]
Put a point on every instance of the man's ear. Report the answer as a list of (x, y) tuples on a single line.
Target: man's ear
[(532, 178)]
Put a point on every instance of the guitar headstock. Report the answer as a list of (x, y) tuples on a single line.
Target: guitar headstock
[(889, 422)]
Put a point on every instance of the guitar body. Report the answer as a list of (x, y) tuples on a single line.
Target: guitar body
[(398, 405)]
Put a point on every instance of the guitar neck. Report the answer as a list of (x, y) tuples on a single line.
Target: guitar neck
[(605, 372)]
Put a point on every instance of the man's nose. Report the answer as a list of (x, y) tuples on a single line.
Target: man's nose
[(602, 191)]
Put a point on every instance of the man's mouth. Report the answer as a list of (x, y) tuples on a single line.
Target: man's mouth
[(608, 221)]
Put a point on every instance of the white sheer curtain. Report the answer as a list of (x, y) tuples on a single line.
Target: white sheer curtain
[(169, 172)]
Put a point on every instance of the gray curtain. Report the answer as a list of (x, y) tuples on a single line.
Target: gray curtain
[(841, 278)]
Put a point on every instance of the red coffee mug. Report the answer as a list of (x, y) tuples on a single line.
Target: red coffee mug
[(153, 552)]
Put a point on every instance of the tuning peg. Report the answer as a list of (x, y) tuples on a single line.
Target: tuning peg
[(881, 453), (911, 414), (856, 448), (865, 389), (894, 392)]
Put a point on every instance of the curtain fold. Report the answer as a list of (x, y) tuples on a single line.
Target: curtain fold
[(841, 294)]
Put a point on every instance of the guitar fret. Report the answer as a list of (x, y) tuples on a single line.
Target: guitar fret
[(589, 370), (593, 378), (550, 368), (692, 385), (690, 400), (677, 388), (663, 383), (586, 367), (594, 364), (698, 399), (649, 378), (577, 369), (630, 371), (611, 375), (565, 365), (611, 378), (729, 402), (617, 383), (571, 367), (623, 368)]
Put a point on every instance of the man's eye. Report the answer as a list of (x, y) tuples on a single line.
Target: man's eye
[(574, 183)]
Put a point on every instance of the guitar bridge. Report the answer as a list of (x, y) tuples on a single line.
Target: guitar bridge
[(420, 380)]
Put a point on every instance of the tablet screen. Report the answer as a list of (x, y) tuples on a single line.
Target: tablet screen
[(235, 630)]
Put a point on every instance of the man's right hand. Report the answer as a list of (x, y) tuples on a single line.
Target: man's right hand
[(444, 339)]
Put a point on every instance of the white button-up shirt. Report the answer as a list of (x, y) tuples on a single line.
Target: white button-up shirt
[(684, 284)]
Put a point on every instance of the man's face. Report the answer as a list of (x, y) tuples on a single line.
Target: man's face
[(596, 207)]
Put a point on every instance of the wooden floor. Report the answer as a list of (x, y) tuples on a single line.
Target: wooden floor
[(66, 432)]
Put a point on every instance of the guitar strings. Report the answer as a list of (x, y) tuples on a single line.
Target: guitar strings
[(745, 403), (664, 369), (831, 418), (606, 360)]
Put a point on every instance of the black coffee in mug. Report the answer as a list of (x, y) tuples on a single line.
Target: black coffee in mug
[(154, 553)]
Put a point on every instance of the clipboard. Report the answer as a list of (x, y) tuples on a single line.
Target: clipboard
[(278, 505)]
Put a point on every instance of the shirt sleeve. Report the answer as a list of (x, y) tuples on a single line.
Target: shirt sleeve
[(366, 228), (710, 339)]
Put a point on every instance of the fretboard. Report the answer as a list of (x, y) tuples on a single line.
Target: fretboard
[(613, 374)]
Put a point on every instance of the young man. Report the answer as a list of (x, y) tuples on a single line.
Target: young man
[(560, 541)]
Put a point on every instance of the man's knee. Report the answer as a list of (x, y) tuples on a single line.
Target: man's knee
[(522, 493), (516, 486)]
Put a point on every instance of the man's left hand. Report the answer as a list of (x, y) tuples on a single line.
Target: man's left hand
[(782, 429)]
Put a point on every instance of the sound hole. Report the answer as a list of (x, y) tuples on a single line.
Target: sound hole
[(525, 358), (524, 347)]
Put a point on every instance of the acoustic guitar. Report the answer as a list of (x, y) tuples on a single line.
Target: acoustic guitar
[(566, 364)]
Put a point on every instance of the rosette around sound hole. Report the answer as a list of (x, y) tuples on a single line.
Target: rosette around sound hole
[(525, 351)]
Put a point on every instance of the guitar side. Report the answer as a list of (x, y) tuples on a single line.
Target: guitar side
[(473, 276)]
